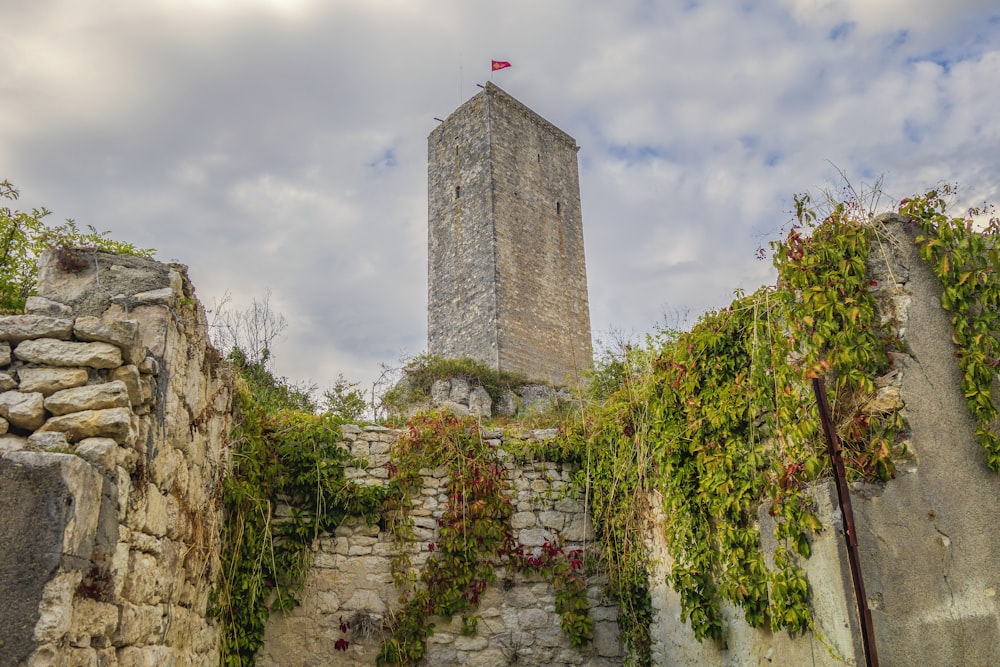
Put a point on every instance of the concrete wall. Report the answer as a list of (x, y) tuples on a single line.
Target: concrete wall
[(114, 419), (928, 542), (507, 275)]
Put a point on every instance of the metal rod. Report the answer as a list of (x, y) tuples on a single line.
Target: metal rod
[(850, 532)]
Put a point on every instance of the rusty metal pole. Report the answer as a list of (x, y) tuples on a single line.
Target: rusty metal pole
[(850, 532)]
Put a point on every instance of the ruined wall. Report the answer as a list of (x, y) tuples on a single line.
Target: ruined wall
[(351, 582), (507, 281), (928, 542), (114, 419), (114, 416)]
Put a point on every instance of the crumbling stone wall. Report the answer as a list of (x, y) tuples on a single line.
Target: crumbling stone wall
[(351, 582), (113, 422), (114, 416)]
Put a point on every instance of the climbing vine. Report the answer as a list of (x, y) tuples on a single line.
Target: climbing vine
[(696, 431), (965, 257), (290, 458), (474, 539), (715, 420)]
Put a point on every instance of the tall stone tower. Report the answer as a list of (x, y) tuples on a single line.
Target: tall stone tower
[(507, 276)]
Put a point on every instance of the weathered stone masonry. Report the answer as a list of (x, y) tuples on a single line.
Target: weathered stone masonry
[(114, 416), (351, 582), (507, 281)]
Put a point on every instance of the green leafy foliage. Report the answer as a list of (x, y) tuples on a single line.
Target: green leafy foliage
[(966, 259), (281, 456), (345, 400), (24, 236), (716, 420), (271, 393)]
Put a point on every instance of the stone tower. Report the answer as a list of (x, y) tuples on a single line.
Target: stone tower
[(507, 277)]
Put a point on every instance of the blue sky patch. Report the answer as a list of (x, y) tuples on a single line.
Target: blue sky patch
[(640, 154), (841, 31), (386, 160)]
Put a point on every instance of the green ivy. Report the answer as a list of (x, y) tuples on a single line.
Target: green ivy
[(289, 458), (475, 538), (965, 257)]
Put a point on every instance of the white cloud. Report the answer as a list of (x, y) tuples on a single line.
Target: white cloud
[(282, 145)]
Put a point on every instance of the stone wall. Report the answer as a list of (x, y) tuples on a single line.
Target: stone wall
[(461, 272), (114, 416), (507, 280), (351, 582), (114, 419)]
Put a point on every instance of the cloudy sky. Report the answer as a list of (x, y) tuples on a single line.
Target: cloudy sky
[(281, 144)]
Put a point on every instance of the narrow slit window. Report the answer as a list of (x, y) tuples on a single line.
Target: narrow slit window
[(458, 191), (558, 208)]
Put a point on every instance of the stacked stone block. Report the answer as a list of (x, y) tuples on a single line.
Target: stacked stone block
[(113, 420), (350, 597), (457, 396)]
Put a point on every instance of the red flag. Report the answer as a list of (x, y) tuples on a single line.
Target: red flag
[(500, 64)]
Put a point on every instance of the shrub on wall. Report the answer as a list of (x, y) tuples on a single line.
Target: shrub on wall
[(422, 371), (24, 236)]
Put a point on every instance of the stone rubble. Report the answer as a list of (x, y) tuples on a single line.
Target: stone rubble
[(458, 396)]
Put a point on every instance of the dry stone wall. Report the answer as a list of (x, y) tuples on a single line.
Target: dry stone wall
[(350, 597), (114, 415)]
